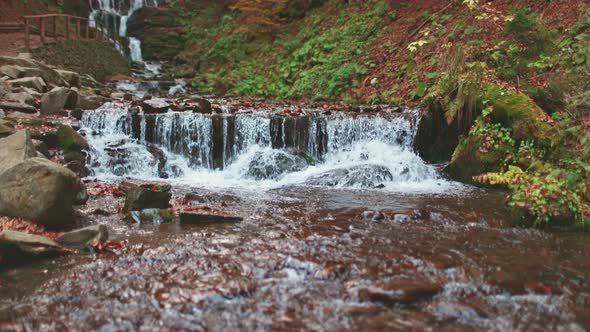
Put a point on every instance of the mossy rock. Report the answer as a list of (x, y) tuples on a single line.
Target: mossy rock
[(70, 141), (469, 161), (517, 111)]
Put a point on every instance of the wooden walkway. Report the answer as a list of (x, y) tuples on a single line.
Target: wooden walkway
[(65, 27)]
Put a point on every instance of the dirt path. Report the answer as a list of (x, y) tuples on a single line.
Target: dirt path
[(13, 43)]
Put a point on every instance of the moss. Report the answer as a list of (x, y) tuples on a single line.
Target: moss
[(517, 111), (167, 215), (70, 141)]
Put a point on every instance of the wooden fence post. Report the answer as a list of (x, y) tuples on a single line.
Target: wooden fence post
[(27, 42), (67, 27), (42, 29), (78, 29), (54, 28)]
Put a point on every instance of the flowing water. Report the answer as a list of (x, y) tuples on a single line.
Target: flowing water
[(345, 228)]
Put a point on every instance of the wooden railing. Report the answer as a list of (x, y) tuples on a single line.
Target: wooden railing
[(67, 27)]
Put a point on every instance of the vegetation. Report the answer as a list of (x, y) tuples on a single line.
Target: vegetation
[(513, 82)]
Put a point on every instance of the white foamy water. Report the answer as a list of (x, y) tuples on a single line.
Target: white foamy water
[(363, 152)]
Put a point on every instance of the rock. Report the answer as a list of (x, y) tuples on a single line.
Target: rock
[(14, 246), (35, 83), (22, 97), (82, 195), (12, 71), (39, 190), (400, 291), (57, 100), (155, 105), (70, 140), (41, 147), (84, 237), (10, 106), (118, 95), (77, 114), (2, 114), (373, 215), (71, 77), (146, 195), (151, 216), (202, 105), (16, 148), (90, 102), (6, 129), (206, 217), (272, 165), (89, 81), (77, 166), (399, 217), (211, 198), (363, 176), (160, 158), (35, 68)]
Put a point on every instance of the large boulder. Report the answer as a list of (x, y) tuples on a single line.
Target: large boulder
[(16, 148), (73, 147), (362, 176), (35, 83), (141, 196), (58, 100), (39, 190), (71, 77)]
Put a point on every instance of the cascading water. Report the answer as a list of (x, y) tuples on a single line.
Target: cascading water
[(115, 14), (258, 149)]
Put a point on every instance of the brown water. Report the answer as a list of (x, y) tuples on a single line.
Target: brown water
[(307, 259)]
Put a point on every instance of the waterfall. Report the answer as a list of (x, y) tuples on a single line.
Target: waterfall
[(258, 149), (115, 14), (135, 49)]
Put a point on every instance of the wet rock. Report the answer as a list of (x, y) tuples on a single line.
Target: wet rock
[(155, 105), (202, 105), (89, 81), (90, 102), (151, 216), (14, 246), (101, 212), (84, 237), (12, 106), (399, 217), (16, 148), (39, 190), (69, 140), (206, 217), (35, 83), (400, 291), (363, 176), (273, 165), (160, 158), (71, 77), (371, 215), (146, 195), (211, 198)]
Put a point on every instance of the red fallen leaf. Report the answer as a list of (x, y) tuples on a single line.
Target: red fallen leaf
[(539, 288), (183, 201), (223, 203), (107, 245), (543, 191)]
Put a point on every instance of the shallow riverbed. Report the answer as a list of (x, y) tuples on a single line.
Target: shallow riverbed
[(308, 258)]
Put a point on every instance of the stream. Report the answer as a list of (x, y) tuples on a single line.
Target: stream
[(345, 228)]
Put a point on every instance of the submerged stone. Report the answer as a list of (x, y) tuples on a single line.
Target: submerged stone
[(84, 237), (201, 217), (363, 176)]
